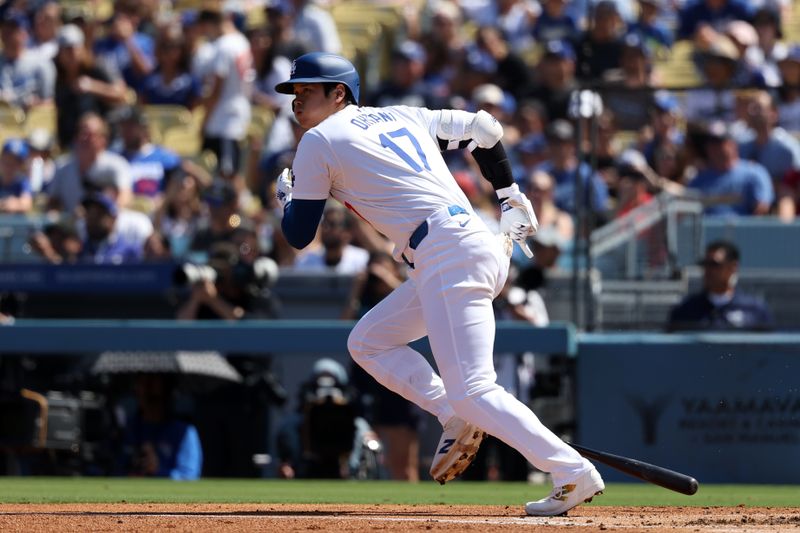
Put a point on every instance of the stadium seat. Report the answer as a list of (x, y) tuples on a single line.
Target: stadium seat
[(12, 122), (41, 117), (163, 117), (183, 140)]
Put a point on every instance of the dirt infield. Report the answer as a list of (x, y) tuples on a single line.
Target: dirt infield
[(203, 518)]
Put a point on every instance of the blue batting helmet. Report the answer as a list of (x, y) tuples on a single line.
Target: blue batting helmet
[(321, 67)]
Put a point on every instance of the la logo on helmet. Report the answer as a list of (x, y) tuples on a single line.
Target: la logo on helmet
[(294, 66)]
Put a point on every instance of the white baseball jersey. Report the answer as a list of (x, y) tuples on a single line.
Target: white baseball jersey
[(382, 163)]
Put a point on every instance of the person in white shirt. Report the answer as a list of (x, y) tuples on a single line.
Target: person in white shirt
[(227, 91), (337, 254)]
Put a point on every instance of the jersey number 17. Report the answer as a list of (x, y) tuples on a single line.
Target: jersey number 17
[(386, 142)]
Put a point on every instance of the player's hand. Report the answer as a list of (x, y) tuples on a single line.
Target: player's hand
[(284, 187), (517, 218)]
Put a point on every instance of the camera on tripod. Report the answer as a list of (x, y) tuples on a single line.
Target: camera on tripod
[(224, 263)]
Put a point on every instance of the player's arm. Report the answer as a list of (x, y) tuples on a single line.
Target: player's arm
[(302, 215), (481, 133)]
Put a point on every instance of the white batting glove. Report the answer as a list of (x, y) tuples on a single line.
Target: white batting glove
[(284, 189), (517, 218)]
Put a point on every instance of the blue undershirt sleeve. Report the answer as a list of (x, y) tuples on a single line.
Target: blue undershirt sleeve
[(300, 221)]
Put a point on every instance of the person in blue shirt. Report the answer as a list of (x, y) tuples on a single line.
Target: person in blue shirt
[(565, 168), (104, 246), (156, 444), (152, 166), (15, 187), (171, 83), (650, 27), (664, 114), (714, 13), (729, 185), (772, 146), (124, 52), (554, 24), (720, 306)]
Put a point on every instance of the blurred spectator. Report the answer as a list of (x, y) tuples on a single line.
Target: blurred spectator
[(234, 290), (46, 23), (632, 189), (564, 167), (445, 46), (511, 71), (719, 64), (222, 219), (81, 87), (103, 245), (178, 217), (599, 49), (124, 52), (492, 99), (628, 94), (277, 154), (171, 81), (696, 14), (336, 254), (152, 165), (650, 27), (663, 131), (789, 91), (720, 306), (772, 146), (58, 242), (315, 28), (88, 168), (372, 285), (26, 78), (271, 68), (42, 164), (554, 24), (730, 186), (15, 187), (515, 19), (325, 438), (280, 24), (227, 101), (767, 24), (556, 79), (405, 84), (200, 50), (155, 442), (540, 190)]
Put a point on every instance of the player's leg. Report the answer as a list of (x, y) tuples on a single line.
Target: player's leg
[(456, 291), (379, 344)]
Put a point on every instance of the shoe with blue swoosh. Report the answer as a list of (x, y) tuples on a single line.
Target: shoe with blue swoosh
[(456, 450)]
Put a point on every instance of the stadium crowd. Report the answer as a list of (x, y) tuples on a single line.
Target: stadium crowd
[(121, 182)]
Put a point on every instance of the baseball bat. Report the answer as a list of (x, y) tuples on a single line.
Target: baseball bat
[(663, 477)]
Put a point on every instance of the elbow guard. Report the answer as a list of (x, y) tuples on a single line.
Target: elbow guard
[(484, 130)]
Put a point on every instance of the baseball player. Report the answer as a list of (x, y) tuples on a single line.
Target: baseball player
[(385, 165)]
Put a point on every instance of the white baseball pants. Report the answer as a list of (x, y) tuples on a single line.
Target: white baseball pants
[(458, 271)]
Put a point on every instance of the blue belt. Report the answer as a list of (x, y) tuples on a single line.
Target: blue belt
[(422, 231)]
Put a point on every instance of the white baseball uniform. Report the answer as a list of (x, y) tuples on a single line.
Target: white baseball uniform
[(386, 166)]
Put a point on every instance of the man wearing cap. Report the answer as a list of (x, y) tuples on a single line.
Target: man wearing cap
[(151, 165), (556, 79), (102, 244), (600, 47), (26, 79), (554, 24), (649, 25), (772, 146), (789, 92), (405, 85), (628, 94), (90, 167), (15, 188), (729, 185), (563, 165), (664, 113)]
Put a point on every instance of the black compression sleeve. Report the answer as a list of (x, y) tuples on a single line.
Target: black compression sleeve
[(494, 165)]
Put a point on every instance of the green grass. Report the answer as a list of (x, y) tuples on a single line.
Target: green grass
[(103, 490)]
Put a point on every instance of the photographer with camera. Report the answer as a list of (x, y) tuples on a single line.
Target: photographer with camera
[(325, 439)]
